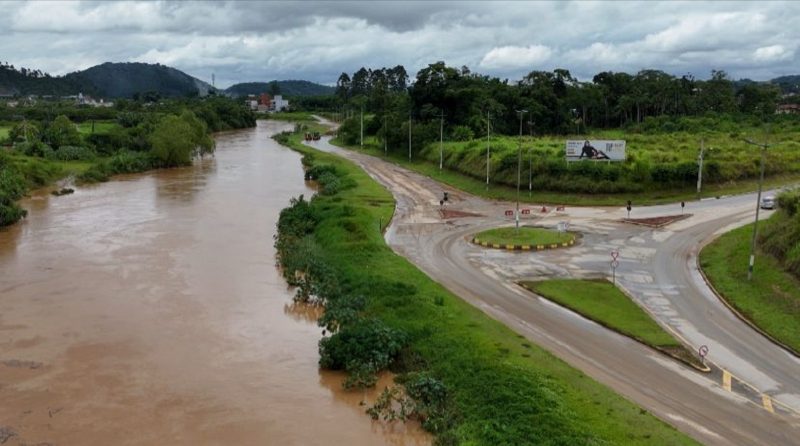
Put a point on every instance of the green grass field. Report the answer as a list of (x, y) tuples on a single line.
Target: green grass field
[(524, 236), (4, 132), (497, 191), (503, 389), (101, 127), (771, 300)]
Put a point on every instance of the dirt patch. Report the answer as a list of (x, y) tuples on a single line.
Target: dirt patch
[(446, 214), (656, 222)]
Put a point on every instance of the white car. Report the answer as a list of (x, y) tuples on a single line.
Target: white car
[(768, 203)]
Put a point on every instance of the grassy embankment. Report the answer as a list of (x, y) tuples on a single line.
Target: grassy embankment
[(500, 389), (604, 303), (771, 300), (661, 167), (524, 236)]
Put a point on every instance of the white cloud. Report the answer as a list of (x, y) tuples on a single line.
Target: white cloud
[(773, 53), (506, 57)]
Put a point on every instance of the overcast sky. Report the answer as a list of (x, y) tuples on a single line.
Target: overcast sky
[(241, 41)]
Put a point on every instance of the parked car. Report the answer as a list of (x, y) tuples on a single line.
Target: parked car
[(768, 202)]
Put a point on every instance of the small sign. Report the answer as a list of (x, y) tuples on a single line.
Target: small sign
[(703, 351), (509, 213), (614, 254), (526, 211)]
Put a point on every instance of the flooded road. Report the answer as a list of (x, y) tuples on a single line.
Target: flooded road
[(148, 310)]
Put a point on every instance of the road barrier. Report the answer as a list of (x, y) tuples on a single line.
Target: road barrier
[(476, 241)]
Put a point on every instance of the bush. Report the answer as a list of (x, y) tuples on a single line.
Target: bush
[(73, 153), (463, 133), (362, 348)]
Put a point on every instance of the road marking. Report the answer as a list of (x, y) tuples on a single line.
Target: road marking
[(767, 402), (726, 380)]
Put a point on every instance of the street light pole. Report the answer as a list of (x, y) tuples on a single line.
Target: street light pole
[(441, 140), (530, 161), (700, 166), (361, 139), (521, 113), (488, 143), (764, 146), (409, 135)]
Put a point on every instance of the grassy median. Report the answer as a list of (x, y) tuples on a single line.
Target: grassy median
[(526, 235), (604, 303), (771, 300), (501, 390)]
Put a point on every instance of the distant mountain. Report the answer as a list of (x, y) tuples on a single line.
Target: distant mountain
[(22, 81), (126, 79), (286, 88), (788, 84), (109, 80)]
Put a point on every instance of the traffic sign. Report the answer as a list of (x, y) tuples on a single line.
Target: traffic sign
[(703, 351), (526, 211), (509, 213), (614, 254)]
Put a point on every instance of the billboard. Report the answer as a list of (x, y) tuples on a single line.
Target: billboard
[(595, 149)]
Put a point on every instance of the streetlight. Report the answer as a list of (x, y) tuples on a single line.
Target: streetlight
[(409, 134), (362, 128), (521, 113), (441, 140), (764, 146), (530, 162), (488, 157), (700, 160)]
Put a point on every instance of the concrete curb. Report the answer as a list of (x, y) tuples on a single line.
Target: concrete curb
[(478, 242)]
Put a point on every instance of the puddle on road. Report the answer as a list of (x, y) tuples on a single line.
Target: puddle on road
[(148, 310)]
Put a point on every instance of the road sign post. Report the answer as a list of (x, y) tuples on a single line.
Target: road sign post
[(683, 205), (614, 265), (703, 352)]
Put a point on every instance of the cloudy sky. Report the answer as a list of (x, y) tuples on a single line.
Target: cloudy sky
[(241, 41)]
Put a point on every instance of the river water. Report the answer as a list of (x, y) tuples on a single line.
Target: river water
[(148, 310)]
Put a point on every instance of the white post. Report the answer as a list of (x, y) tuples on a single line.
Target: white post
[(441, 141), (700, 166), (488, 158)]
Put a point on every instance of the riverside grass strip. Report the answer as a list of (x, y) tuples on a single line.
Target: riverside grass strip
[(503, 389)]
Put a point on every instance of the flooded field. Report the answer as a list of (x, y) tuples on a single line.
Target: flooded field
[(148, 310)]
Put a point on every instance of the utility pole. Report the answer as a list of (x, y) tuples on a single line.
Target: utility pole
[(441, 140), (764, 146), (488, 156), (521, 113), (530, 162), (409, 135), (385, 134), (700, 166), (362, 127)]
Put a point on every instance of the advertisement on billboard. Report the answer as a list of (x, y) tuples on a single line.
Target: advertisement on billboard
[(596, 149)]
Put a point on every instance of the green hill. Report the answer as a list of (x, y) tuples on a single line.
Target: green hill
[(288, 88), (22, 81), (127, 79)]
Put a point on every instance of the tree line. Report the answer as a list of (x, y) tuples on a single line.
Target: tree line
[(555, 101)]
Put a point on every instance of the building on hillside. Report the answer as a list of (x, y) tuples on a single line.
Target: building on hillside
[(785, 109), (265, 99), (279, 104)]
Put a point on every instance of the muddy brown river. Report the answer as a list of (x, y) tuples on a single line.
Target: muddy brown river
[(148, 310)]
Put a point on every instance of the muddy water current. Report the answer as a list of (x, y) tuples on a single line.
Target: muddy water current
[(148, 310)]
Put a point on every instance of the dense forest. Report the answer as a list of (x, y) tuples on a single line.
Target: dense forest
[(555, 100)]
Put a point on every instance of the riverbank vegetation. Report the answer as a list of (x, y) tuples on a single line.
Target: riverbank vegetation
[(468, 378), (142, 136), (771, 300), (602, 302)]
